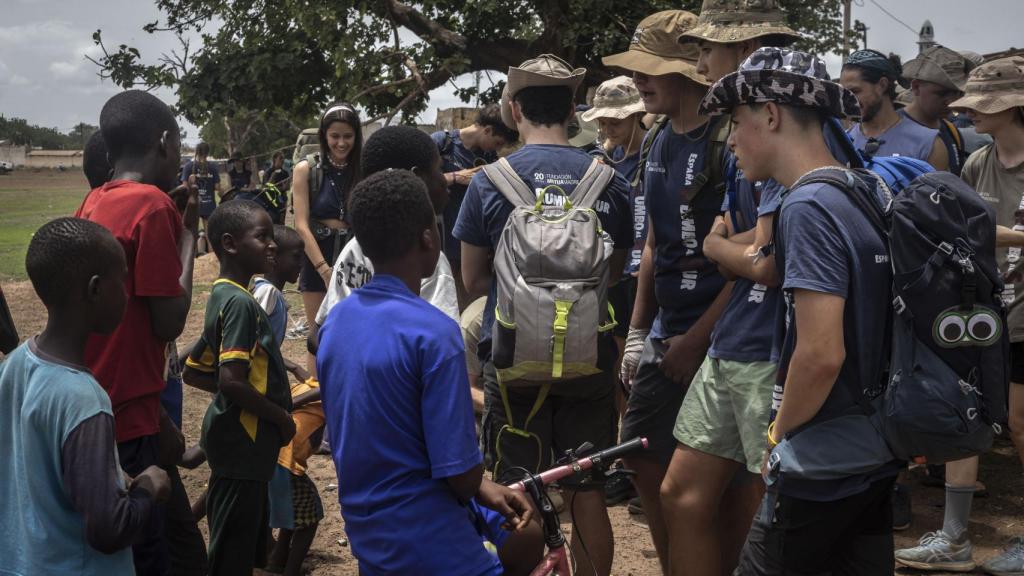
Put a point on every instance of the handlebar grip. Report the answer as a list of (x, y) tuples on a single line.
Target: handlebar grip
[(615, 452)]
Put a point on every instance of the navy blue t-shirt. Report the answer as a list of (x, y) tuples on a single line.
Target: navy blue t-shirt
[(627, 166), (206, 180), (746, 329), (685, 281), (485, 210), (826, 244), (456, 156), (401, 422)]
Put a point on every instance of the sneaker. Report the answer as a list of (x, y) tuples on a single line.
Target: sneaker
[(1010, 562), (635, 506), (901, 513), (937, 551), (618, 489)]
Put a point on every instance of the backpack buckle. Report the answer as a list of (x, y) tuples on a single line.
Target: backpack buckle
[(946, 248), (899, 305)]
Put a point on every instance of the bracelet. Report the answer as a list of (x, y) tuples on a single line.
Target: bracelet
[(319, 264), (771, 431)]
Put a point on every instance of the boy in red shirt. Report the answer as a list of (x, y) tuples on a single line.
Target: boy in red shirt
[(143, 147)]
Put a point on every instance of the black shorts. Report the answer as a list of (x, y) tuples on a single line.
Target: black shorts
[(576, 411), (1017, 362), (621, 297), (852, 536), (309, 278), (239, 520), (653, 404)]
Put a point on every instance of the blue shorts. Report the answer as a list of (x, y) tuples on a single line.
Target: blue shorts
[(488, 525), (279, 495)]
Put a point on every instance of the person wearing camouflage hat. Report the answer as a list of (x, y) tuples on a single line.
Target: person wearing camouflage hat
[(834, 278), (994, 100), (873, 78), (538, 103), (937, 77), (681, 174), (728, 31)]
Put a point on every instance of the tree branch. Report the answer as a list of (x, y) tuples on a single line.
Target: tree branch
[(444, 40)]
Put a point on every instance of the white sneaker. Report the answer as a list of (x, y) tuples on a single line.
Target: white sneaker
[(937, 551)]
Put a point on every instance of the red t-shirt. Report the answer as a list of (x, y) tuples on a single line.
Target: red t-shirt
[(129, 363)]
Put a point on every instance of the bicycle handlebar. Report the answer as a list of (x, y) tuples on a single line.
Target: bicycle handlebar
[(585, 463)]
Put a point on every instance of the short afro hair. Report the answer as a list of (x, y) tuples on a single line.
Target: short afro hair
[(233, 217), (65, 253), (398, 147), (545, 105), (389, 210), (202, 149), (94, 161), (286, 237), (490, 117), (132, 123)]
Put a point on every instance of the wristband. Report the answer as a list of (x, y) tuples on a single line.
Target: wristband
[(771, 440), (319, 264)]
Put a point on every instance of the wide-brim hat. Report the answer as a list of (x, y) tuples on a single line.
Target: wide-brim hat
[(785, 77), (728, 21), (586, 131), (617, 98), (544, 70), (994, 86), (654, 51), (939, 65)]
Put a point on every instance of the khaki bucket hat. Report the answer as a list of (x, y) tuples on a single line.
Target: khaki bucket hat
[(940, 65), (544, 70), (728, 21), (616, 98), (994, 86), (654, 50)]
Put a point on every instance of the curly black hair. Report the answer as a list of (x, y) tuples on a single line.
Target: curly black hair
[(545, 105), (133, 121), (232, 217), (65, 253), (398, 147), (286, 237), (390, 210), (94, 161)]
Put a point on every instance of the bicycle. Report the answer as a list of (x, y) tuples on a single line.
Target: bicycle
[(556, 560)]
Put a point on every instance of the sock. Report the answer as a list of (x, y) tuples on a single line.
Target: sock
[(958, 511)]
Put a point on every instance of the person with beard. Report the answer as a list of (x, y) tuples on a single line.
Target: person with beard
[(872, 77)]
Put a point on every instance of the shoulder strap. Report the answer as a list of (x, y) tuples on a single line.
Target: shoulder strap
[(955, 133), (446, 147), (594, 182), (508, 182), (316, 176), (645, 150), (845, 180), (714, 166)]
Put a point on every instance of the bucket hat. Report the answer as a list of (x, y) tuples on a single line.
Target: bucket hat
[(616, 98), (544, 70), (729, 21), (654, 49), (782, 76), (994, 86), (940, 65)]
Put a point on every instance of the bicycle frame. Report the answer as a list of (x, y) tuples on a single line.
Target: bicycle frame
[(556, 561)]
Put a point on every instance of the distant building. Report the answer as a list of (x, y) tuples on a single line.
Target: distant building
[(54, 159), (926, 39), (13, 153)]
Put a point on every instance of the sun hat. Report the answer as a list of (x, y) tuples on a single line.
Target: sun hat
[(544, 70), (994, 86), (654, 51), (729, 21), (939, 65), (782, 76), (617, 98)]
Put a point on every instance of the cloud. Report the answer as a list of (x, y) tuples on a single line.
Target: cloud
[(41, 34)]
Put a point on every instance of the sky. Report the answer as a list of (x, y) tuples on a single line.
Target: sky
[(46, 79)]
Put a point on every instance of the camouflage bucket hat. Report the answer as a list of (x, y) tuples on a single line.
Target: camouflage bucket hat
[(544, 70), (941, 66), (616, 98), (654, 51), (785, 77), (728, 21), (994, 87)]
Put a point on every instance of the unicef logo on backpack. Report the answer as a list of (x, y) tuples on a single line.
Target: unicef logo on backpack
[(977, 326)]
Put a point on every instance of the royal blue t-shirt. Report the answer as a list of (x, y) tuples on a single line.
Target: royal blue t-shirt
[(826, 244), (685, 281), (400, 422), (456, 156), (485, 210), (746, 330)]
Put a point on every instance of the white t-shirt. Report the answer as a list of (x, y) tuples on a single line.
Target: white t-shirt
[(353, 269)]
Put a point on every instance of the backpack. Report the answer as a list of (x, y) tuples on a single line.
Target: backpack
[(316, 175), (947, 350), (551, 274)]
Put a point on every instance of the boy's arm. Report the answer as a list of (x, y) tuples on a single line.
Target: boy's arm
[(235, 386), (476, 270), (739, 254), (167, 313), (939, 156), (467, 484), (307, 397), (199, 372), (113, 516), (299, 372), (1008, 237)]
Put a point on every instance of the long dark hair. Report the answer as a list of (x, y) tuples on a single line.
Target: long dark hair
[(342, 112)]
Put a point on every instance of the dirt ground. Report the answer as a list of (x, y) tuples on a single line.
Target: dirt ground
[(994, 520)]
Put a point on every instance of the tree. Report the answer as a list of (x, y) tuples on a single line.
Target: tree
[(20, 132), (298, 55), (251, 134)]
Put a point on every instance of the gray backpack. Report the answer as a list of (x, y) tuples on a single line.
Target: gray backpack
[(551, 271)]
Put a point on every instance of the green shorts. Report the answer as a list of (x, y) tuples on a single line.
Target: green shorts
[(726, 410)]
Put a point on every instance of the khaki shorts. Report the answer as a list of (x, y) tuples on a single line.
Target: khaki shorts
[(726, 410)]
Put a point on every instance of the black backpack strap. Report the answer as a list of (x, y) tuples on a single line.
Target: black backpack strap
[(715, 164), (645, 150)]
